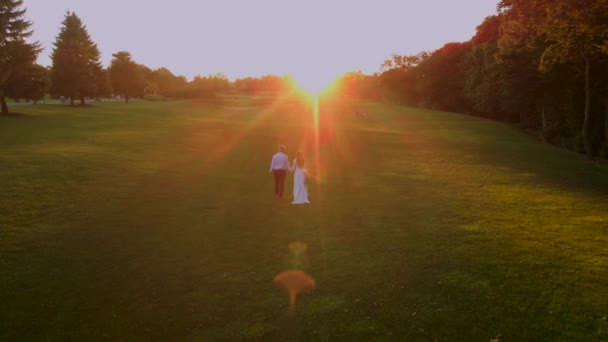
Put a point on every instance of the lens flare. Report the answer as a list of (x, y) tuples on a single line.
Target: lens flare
[(295, 282), (317, 134)]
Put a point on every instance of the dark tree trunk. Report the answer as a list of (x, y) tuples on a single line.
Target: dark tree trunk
[(82, 103), (72, 100), (126, 98), (4, 105), (587, 120), (544, 116), (606, 123)]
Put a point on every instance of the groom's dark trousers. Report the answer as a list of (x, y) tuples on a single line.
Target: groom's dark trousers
[(279, 181)]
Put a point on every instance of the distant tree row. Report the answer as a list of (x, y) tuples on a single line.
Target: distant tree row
[(541, 64), (537, 63), (76, 72), (264, 84)]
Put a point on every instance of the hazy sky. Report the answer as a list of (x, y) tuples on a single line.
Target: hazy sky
[(314, 39)]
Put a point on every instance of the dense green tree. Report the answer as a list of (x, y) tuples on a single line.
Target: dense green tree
[(393, 83), (357, 85), (441, 78), (207, 86), (499, 86), (266, 83), (573, 32), (399, 78), (34, 83), (403, 62), (150, 87), (485, 76), (351, 84), (125, 76), (576, 31), (102, 84), (269, 83), (17, 56), (169, 85), (542, 64), (602, 91), (76, 67)]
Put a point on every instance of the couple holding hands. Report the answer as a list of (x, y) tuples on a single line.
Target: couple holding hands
[(279, 167)]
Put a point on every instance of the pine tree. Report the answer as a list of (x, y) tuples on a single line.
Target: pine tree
[(76, 65), (16, 55), (125, 76)]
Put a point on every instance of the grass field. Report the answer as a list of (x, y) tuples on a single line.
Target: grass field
[(156, 221)]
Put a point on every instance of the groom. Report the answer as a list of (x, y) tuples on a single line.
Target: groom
[(278, 167)]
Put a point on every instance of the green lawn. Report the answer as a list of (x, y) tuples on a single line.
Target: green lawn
[(156, 221)]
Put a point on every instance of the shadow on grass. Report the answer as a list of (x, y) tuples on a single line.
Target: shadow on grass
[(458, 138), (546, 165)]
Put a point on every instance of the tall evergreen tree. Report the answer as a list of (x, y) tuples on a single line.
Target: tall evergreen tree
[(16, 55), (125, 76), (76, 65)]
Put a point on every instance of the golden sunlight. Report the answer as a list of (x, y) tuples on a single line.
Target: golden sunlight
[(314, 83)]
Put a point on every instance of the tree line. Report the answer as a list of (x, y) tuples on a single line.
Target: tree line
[(76, 72), (540, 64)]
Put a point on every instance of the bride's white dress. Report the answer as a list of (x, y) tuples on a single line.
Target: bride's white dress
[(300, 192)]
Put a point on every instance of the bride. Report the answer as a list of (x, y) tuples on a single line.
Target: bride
[(300, 192)]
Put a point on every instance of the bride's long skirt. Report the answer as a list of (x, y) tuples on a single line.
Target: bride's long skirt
[(300, 192)]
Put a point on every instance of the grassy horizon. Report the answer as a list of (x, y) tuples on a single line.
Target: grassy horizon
[(157, 221)]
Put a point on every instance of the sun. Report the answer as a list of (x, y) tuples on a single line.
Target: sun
[(314, 83)]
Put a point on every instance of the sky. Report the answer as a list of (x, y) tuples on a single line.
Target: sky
[(314, 40)]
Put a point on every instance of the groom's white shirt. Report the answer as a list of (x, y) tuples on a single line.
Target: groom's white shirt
[(280, 161)]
